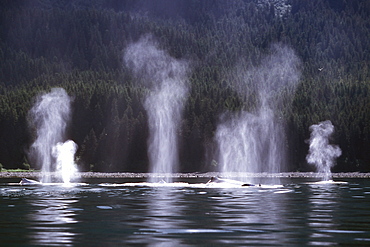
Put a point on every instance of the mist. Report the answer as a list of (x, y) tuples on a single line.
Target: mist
[(166, 78), (321, 153), (49, 118), (254, 140)]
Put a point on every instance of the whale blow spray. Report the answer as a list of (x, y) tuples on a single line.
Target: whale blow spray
[(254, 141), (64, 154), (321, 153), (49, 117), (167, 81)]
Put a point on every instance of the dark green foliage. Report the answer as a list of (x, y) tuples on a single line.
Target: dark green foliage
[(78, 45)]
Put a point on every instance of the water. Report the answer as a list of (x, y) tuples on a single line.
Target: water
[(299, 214)]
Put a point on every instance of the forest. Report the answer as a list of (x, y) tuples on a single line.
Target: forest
[(79, 46)]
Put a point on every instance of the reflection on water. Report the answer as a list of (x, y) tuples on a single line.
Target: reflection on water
[(248, 218), (224, 216), (51, 221), (323, 206), (332, 215), (40, 215), (164, 216), (297, 215)]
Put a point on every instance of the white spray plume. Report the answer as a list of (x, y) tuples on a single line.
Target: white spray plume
[(49, 116), (167, 79), (248, 143), (255, 141), (64, 154), (321, 153)]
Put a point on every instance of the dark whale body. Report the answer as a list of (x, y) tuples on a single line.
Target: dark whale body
[(26, 181), (230, 181)]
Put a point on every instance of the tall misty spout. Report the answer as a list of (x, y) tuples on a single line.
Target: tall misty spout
[(49, 117), (254, 141), (249, 143), (321, 153), (167, 81)]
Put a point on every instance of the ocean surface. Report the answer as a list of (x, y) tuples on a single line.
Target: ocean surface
[(106, 212)]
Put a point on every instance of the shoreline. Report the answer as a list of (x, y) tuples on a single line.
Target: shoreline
[(37, 174)]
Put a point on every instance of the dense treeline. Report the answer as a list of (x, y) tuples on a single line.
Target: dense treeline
[(79, 45)]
